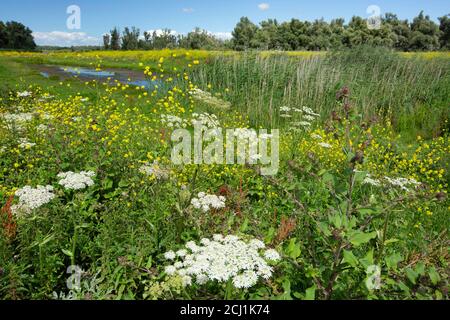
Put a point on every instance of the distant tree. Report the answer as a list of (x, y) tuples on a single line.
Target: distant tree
[(115, 39), (357, 33), (319, 36), (3, 35), (164, 39), (106, 41), (130, 38), (199, 39), (400, 29), (267, 36), (425, 33), (244, 35), (15, 35), (445, 32), (337, 32)]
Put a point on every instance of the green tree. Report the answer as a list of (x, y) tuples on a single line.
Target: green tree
[(425, 33), (320, 36), (199, 39), (401, 31), (244, 35), (115, 39), (337, 28), (17, 36), (445, 31), (106, 41), (267, 36), (3, 35), (130, 38), (357, 33)]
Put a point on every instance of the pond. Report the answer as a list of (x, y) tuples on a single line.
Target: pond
[(125, 76)]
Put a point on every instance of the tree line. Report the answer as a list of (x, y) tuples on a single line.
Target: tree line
[(14, 35), (421, 34), (130, 39)]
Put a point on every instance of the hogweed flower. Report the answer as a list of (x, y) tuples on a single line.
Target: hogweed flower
[(76, 181), (206, 202), (32, 198), (223, 259)]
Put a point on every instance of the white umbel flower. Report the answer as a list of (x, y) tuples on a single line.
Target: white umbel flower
[(169, 255), (76, 181), (206, 202), (32, 198), (23, 94), (225, 259)]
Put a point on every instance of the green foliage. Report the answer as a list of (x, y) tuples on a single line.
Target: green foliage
[(14, 35)]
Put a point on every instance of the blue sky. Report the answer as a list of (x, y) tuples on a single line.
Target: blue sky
[(47, 18)]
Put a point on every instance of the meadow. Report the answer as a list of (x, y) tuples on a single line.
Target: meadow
[(92, 207)]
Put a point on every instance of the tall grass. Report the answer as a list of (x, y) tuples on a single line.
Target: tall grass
[(413, 93)]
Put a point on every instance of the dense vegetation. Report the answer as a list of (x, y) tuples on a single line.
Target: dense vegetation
[(358, 210), (422, 34), (14, 35)]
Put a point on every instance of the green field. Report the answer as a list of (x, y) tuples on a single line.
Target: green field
[(357, 210)]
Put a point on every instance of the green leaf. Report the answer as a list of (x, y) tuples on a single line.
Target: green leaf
[(368, 259), (359, 176), (293, 249), (393, 260), (310, 293), (328, 178), (358, 237), (420, 269), (67, 252), (350, 258), (411, 275), (244, 225), (434, 276)]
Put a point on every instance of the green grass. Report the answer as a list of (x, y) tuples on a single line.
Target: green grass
[(412, 93)]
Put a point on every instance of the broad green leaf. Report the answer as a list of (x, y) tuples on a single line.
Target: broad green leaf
[(411, 275), (393, 260), (368, 259), (293, 249), (350, 258), (358, 237), (310, 293), (434, 276)]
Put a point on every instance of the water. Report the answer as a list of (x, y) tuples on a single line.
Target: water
[(83, 72), (132, 78)]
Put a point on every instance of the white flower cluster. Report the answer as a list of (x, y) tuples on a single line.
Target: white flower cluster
[(76, 181), (325, 145), (18, 117), (25, 144), (207, 201), (42, 128), (373, 182), (32, 198), (307, 116), (23, 94), (209, 99), (222, 259), (173, 121), (205, 120), (401, 183), (154, 170)]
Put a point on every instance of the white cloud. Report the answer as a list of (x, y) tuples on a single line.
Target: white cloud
[(66, 39), (188, 10), (161, 31), (263, 6)]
